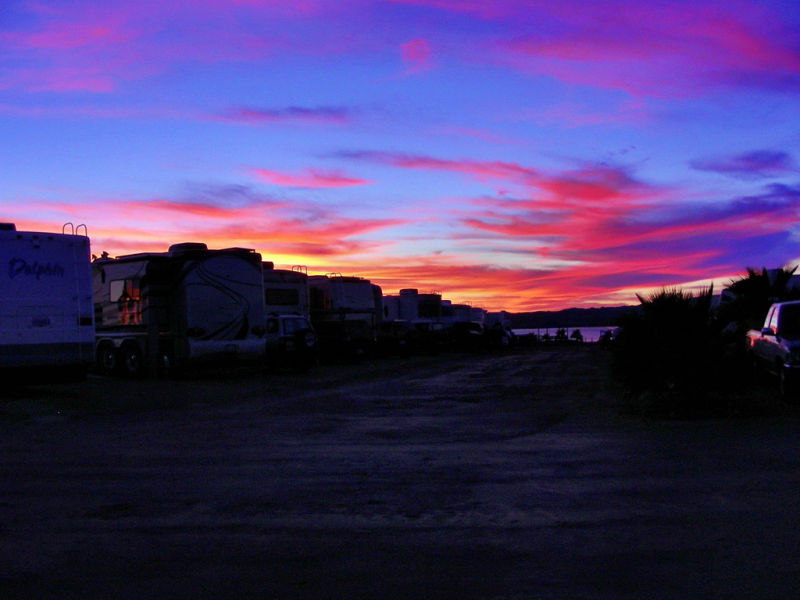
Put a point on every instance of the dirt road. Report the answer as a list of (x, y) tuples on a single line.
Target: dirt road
[(512, 476)]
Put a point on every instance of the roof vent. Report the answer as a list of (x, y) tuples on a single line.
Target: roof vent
[(187, 248)]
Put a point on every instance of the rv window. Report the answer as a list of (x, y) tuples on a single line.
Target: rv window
[(282, 297), (123, 289), (115, 289), (125, 293), (294, 325), (272, 326)]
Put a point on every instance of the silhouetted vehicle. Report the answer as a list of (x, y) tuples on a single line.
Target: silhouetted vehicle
[(499, 337), (775, 348), (346, 313), (161, 310), (286, 291), (395, 337), (46, 327), (291, 340), (466, 335)]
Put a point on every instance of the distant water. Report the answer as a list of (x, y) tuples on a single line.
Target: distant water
[(590, 334)]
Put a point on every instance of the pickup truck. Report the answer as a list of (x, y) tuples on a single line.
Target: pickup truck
[(290, 340), (776, 347)]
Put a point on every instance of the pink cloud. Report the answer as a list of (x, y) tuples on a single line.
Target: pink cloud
[(602, 187), (319, 114), (645, 49), (688, 243), (326, 235), (89, 46), (680, 49), (608, 221), (271, 227), (62, 79), (480, 8), (475, 133), (309, 178), (479, 169), (416, 55), (588, 258)]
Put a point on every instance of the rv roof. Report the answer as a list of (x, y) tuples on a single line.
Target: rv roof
[(186, 252)]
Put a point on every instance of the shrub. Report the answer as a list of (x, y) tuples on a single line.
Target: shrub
[(669, 355)]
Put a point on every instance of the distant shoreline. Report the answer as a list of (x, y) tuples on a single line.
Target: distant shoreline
[(571, 318), (589, 334)]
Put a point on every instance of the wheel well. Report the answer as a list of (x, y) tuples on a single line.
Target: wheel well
[(104, 346), (129, 344)]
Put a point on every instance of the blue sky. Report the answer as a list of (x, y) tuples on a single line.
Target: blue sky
[(516, 155)]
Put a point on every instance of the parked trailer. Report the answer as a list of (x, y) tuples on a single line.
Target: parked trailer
[(290, 337), (157, 311), (286, 290), (346, 313), (46, 327)]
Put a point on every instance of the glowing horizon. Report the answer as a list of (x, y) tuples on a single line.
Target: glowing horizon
[(513, 155)]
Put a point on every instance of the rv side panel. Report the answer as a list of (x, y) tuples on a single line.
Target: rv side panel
[(45, 302)]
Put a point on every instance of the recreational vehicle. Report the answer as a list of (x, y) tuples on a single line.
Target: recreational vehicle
[(346, 313), (412, 322), (290, 338), (45, 303), (285, 291), (156, 311)]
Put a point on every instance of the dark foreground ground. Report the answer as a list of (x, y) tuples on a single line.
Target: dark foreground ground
[(511, 476)]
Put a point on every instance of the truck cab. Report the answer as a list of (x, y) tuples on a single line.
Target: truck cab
[(776, 347), (290, 339)]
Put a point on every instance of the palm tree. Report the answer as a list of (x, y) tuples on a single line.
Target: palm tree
[(746, 301), (667, 349)]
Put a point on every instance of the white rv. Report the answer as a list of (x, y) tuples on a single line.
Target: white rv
[(290, 337), (285, 291), (346, 313), (155, 311), (46, 323)]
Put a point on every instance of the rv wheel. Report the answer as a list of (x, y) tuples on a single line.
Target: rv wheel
[(107, 359), (786, 385), (132, 363), (305, 342), (307, 339), (165, 368)]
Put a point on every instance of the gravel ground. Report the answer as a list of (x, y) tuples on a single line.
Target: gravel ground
[(458, 476)]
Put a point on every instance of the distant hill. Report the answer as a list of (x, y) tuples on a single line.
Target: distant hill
[(571, 317)]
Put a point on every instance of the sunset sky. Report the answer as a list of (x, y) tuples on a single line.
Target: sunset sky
[(517, 155)]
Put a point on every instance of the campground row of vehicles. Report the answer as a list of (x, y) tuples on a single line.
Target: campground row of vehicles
[(153, 312)]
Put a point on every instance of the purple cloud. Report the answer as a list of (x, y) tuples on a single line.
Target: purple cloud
[(318, 114), (750, 165)]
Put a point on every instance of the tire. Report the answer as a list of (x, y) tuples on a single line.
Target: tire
[(108, 359), (166, 367), (358, 351), (305, 349), (131, 361), (754, 368), (786, 385), (309, 341)]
